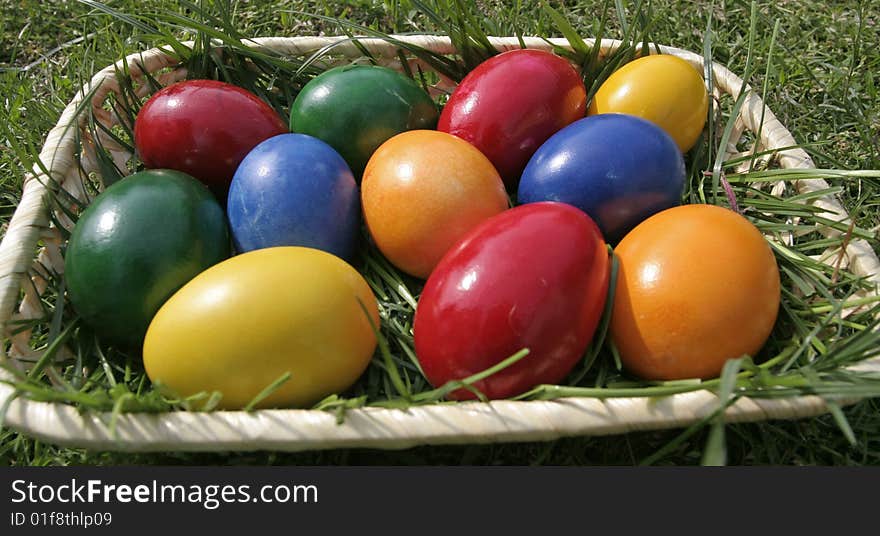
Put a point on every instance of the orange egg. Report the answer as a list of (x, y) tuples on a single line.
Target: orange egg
[(422, 191), (698, 285)]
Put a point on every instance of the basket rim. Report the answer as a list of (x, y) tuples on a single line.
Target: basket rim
[(306, 429)]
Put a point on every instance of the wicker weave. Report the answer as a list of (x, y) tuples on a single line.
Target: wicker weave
[(22, 282)]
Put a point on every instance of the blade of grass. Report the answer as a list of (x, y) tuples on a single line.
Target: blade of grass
[(267, 391), (715, 452)]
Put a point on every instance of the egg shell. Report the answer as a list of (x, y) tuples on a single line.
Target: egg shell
[(356, 108), (239, 326), (138, 242), (663, 89), (511, 103), (294, 190), (422, 191), (698, 285), (203, 128), (619, 169), (535, 277)]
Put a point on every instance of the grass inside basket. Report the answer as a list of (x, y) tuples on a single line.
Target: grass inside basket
[(808, 352)]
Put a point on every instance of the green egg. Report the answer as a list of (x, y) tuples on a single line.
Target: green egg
[(355, 108), (135, 245)]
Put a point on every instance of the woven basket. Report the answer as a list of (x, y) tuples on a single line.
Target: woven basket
[(22, 280)]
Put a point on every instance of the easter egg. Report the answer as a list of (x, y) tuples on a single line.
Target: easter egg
[(355, 108), (511, 103), (203, 128), (246, 322), (663, 89), (535, 277), (617, 168), (422, 191), (294, 190), (135, 245), (698, 285)]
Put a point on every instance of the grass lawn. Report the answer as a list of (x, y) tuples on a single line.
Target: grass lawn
[(822, 84)]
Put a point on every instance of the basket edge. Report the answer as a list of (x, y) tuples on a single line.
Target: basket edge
[(294, 430)]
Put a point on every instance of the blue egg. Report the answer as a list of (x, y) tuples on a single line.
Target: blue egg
[(619, 169), (294, 190)]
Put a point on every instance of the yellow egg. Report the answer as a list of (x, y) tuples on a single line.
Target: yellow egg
[(663, 89), (242, 324)]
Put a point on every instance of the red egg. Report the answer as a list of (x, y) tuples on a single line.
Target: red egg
[(536, 277), (510, 104), (203, 128)]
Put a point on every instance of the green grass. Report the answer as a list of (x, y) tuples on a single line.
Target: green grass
[(819, 83)]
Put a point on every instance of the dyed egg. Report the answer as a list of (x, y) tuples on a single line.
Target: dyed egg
[(135, 245), (698, 285), (663, 89), (617, 168), (294, 190), (241, 325), (535, 277), (355, 108), (511, 103), (203, 128), (422, 191)]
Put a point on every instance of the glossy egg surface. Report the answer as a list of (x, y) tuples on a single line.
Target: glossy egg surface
[(203, 128), (511, 103), (698, 285), (294, 190), (243, 324), (534, 277), (663, 89), (138, 242), (356, 108), (422, 192), (619, 169)]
